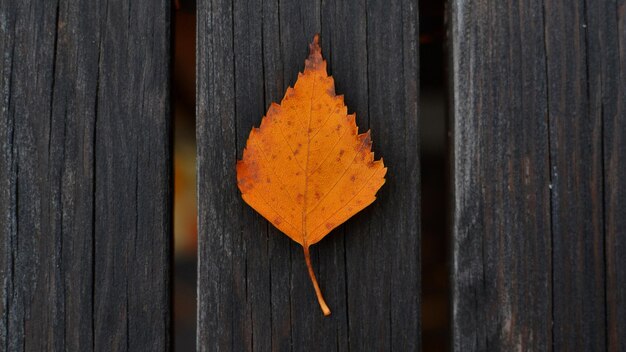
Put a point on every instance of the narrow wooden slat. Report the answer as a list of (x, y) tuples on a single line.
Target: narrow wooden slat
[(218, 205), (576, 177), (501, 207), (84, 168), (606, 38), (254, 291), (538, 113), (387, 260), (132, 195)]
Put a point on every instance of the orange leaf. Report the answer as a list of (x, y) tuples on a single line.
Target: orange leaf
[(306, 169)]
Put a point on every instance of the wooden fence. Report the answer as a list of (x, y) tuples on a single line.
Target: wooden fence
[(538, 159)]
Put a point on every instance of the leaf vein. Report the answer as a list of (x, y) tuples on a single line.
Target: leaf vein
[(289, 145), (348, 202), (274, 172), (306, 170), (324, 123), (340, 177), (332, 149), (275, 211)]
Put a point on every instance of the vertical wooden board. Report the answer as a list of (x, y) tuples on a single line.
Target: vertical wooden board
[(33, 239), (382, 247), (59, 158), (501, 199), (279, 248), (132, 167), (132, 164), (250, 271), (72, 144), (615, 202), (219, 209), (7, 171), (540, 95), (606, 41), (576, 176)]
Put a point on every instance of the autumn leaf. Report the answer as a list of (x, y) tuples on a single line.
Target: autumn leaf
[(306, 169)]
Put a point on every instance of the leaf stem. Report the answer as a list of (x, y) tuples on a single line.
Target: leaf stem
[(318, 292)]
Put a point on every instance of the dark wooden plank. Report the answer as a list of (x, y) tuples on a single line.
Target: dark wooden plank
[(132, 225), (576, 176), (501, 198), (392, 45), (218, 206), (606, 39), (27, 201), (254, 291), (538, 118), (85, 165)]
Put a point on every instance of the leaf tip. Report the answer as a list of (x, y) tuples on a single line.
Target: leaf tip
[(315, 61), (314, 47)]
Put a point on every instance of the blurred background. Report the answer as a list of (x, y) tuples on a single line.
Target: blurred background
[(435, 284), (433, 132), (185, 211)]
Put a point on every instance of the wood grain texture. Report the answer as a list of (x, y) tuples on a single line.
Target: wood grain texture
[(85, 176), (254, 292), (578, 281), (501, 260), (607, 58), (537, 116)]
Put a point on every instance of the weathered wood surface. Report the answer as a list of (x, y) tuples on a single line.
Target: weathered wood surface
[(84, 176), (539, 175), (607, 86), (254, 292)]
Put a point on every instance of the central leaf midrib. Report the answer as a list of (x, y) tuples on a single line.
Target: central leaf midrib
[(306, 167)]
